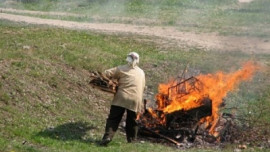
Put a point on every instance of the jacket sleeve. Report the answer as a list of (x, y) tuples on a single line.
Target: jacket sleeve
[(111, 73)]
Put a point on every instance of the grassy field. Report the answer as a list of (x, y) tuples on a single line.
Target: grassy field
[(46, 103)]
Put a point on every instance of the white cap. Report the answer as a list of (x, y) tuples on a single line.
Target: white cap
[(133, 58)]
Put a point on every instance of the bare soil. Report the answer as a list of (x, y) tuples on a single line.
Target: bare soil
[(245, 1), (165, 36)]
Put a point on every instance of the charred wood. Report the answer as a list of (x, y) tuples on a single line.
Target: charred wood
[(190, 117), (156, 134)]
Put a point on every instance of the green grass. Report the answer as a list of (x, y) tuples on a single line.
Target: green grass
[(46, 103), (224, 17)]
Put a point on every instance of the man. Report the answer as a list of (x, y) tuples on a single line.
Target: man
[(129, 96)]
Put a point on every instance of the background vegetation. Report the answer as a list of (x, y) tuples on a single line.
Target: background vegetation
[(224, 17)]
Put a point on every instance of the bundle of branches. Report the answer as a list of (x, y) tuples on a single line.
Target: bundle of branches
[(103, 83)]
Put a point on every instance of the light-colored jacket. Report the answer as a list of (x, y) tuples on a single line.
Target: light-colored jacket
[(131, 83)]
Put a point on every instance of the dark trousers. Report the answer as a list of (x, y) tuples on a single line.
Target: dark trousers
[(113, 120)]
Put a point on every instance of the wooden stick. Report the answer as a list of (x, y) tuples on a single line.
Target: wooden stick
[(103, 83), (162, 136)]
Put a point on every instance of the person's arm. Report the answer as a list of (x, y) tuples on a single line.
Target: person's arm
[(111, 73)]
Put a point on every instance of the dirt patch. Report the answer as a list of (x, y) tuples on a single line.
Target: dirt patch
[(11, 10), (245, 1), (208, 41)]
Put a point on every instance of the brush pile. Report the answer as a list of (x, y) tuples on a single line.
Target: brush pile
[(101, 82)]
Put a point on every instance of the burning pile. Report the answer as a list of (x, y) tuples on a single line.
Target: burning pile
[(191, 107)]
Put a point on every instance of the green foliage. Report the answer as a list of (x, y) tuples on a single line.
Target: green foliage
[(29, 1)]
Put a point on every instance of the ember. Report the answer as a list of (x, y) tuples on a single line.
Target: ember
[(185, 106)]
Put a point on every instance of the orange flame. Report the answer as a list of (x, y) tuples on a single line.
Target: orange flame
[(215, 86)]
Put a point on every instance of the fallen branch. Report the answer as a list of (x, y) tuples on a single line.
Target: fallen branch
[(162, 136), (103, 83)]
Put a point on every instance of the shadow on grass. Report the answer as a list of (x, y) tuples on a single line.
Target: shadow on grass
[(69, 132)]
